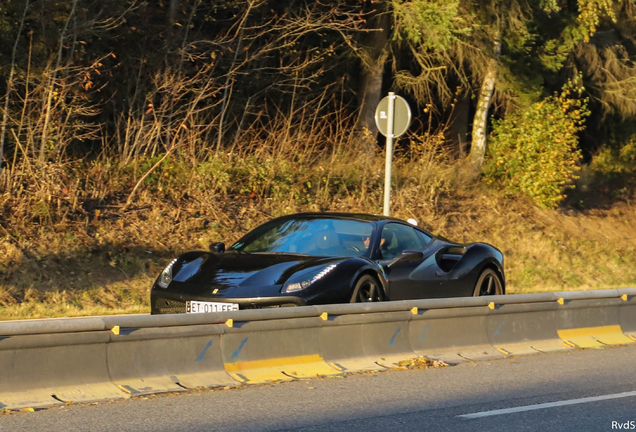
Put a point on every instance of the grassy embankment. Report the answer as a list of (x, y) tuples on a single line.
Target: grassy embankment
[(69, 246)]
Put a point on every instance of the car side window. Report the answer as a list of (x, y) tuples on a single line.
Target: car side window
[(424, 237), (397, 238)]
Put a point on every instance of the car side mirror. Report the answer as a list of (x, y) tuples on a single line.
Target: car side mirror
[(217, 247), (406, 256)]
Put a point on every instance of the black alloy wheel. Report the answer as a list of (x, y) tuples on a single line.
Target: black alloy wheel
[(367, 289), (488, 283)]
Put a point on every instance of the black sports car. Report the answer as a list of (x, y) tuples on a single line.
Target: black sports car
[(320, 258)]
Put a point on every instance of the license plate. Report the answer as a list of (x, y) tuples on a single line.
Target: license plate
[(204, 307)]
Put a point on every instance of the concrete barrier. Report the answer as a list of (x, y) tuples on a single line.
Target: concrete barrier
[(366, 342), (152, 360), (452, 335), (41, 370), (590, 323), (627, 312), (262, 351), (48, 362), (526, 328)]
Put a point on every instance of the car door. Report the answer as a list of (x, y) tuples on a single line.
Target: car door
[(394, 239), (428, 279)]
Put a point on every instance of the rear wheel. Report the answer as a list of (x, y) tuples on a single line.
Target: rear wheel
[(488, 283), (367, 289)]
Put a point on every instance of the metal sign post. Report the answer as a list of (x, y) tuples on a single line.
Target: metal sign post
[(389, 157), (392, 117)]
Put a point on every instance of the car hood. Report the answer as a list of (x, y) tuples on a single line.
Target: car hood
[(236, 269)]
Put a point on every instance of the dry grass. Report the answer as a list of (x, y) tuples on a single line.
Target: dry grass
[(552, 250), (69, 245)]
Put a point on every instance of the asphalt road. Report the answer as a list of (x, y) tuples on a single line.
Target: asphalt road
[(431, 399)]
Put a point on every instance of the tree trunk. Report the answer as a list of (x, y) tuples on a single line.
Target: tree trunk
[(480, 122), (370, 90), (47, 110), (5, 115), (459, 121)]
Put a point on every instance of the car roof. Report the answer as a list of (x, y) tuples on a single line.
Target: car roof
[(364, 217)]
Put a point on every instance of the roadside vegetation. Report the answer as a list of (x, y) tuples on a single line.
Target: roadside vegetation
[(101, 258), (132, 132)]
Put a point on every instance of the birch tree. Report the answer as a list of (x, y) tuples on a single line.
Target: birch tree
[(590, 12)]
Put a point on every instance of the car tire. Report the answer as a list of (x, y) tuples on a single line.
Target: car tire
[(488, 283), (367, 289)]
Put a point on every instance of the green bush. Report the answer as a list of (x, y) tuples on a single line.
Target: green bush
[(534, 151)]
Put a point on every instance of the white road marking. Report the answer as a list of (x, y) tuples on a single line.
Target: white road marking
[(547, 405)]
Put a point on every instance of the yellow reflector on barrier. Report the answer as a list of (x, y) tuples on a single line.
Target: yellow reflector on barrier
[(414, 311), (561, 301), (624, 297), (324, 316), (491, 305), (115, 330), (229, 323), (587, 337)]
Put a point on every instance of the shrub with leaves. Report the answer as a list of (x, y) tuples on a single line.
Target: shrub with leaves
[(535, 151)]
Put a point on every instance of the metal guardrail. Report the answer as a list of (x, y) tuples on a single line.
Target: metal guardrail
[(54, 361)]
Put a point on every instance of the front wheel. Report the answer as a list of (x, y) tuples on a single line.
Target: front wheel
[(488, 284), (367, 289)]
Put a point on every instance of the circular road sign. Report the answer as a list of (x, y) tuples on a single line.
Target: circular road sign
[(401, 115)]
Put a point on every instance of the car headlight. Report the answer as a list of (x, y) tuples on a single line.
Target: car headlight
[(298, 284), (166, 275)]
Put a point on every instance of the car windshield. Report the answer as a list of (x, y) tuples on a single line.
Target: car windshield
[(318, 237)]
